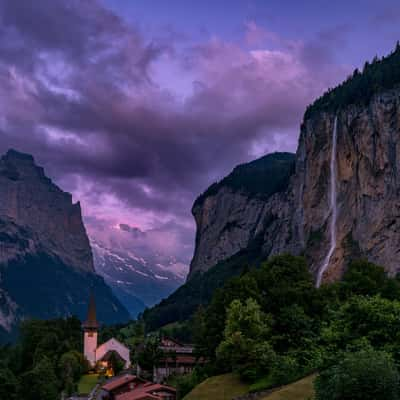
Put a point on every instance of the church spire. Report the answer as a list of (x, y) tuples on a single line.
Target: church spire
[(91, 321)]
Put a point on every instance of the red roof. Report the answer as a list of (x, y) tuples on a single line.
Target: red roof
[(146, 392), (120, 381)]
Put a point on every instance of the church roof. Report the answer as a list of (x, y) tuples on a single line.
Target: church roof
[(91, 320), (113, 340)]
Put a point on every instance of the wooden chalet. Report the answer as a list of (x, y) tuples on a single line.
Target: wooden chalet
[(121, 384)]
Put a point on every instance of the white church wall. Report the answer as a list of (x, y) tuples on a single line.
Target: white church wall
[(114, 345)]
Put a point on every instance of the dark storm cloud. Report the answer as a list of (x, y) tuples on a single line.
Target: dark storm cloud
[(78, 90)]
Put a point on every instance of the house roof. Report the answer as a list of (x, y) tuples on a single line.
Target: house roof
[(119, 381), (138, 396), (148, 391)]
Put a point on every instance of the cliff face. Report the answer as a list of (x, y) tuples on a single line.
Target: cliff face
[(298, 218), (30, 200), (367, 168), (251, 204), (46, 264)]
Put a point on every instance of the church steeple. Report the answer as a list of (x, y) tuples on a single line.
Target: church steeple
[(91, 321)]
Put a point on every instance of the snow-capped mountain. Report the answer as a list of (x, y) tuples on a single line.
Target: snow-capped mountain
[(138, 278)]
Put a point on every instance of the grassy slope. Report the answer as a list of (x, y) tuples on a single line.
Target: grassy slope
[(300, 390), (87, 383), (221, 387), (228, 386)]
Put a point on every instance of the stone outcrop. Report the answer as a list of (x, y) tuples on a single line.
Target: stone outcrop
[(296, 219)]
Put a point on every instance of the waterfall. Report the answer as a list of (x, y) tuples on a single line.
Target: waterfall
[(332, 206)]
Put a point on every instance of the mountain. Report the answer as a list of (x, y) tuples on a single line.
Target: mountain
[(46, 263), (139, 281), (231, 218), (342, 199), (232, 213), (337, 199)]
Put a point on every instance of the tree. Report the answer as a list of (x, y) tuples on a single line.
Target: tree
[(238, 288), (365, 375), (368, 279), (283, 281), (70, 366), (245, 347), (8, 384), (48, 347), (39, 383), (373, 319), (149, 354)]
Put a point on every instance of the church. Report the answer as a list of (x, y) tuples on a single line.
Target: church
[(100, 355)]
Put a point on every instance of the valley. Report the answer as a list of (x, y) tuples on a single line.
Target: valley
[(199, 201)]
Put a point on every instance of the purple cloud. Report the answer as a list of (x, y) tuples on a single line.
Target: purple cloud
[(92, 99)]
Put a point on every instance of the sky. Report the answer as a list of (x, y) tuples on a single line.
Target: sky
[(136, 107)]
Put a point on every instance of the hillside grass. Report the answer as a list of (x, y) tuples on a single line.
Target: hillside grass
[(221, 387), (300, 390), (87, 383), (228, 386)]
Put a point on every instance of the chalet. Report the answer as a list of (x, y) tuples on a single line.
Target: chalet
[(150, 391), (119, 385), (178, 359)]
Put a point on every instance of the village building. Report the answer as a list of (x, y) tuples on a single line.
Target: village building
[(121, 384), (131, 387), (101, 355), (150, 391), (178, 359)]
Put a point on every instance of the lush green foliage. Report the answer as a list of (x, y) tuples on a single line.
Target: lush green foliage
[(149, 354), (359, 88), (245, 345), (45, 362), (199, 290), (364, 375), (262, 177), (186, 383), (272, 326)]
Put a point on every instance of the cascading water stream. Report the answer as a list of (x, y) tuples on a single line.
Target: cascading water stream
[(332, 206)]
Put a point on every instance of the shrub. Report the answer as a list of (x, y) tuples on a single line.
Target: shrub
[(365, 375)]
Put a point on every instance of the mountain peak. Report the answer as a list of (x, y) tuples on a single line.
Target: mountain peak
[(13, 154), (32, 201)]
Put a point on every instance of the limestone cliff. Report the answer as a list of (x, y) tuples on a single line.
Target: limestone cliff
[(46, 264), (368, 196), (250, 204), (297, 219), (30, 200)]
